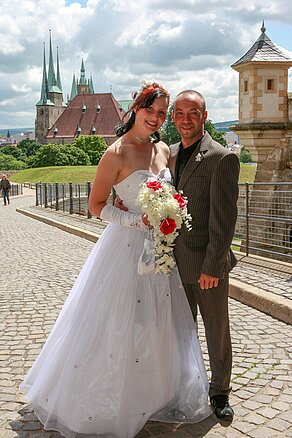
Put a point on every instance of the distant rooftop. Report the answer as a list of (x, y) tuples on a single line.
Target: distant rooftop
[(88, 114)]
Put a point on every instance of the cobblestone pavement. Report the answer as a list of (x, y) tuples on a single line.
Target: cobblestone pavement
[(265, 276), (43, 263)]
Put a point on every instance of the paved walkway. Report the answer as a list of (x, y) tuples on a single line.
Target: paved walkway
[(43, 262)]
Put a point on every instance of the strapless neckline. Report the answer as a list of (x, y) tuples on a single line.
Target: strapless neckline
[(140, 171)]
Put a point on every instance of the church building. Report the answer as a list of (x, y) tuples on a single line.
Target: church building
[(86, 113)]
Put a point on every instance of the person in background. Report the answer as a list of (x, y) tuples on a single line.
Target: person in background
[(5, 186)]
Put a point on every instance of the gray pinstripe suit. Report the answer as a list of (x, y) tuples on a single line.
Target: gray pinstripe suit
[(210, 182)]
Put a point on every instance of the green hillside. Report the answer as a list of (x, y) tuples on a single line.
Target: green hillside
[(82, 174), (56, 174)]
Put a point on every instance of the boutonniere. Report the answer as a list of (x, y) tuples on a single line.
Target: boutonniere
[(199, 156)]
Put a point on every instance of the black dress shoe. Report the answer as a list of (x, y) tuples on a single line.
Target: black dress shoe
[(222, 409)]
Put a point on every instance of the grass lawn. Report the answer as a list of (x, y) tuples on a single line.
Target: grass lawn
[(56, 174), (236, 244), (82, 174), (247, 172)]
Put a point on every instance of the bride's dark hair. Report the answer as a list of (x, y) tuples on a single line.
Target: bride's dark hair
[(142, 99)]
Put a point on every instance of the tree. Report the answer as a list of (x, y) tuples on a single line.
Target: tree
[(76, 156), (168, 131), (14, 151), (49, 155), (59, 155), (93, 145), (245, 156), (8, 162), (170, 135), (29, 147), (215, 134)]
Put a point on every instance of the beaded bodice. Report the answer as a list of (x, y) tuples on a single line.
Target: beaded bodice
[(129, 187)]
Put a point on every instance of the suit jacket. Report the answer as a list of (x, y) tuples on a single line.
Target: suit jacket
[(210, 182)]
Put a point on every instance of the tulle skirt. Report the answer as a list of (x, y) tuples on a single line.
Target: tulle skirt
[(123, 350)]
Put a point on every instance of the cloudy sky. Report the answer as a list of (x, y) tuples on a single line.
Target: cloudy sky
[(179, 43)]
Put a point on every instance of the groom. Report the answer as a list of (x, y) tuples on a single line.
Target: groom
[(207, 173)]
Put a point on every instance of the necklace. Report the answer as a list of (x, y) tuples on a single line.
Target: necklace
[(142, 140)]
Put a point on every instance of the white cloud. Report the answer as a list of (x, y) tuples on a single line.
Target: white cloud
[(181, 43), (21, 89)]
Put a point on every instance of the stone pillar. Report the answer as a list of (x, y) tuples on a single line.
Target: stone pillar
[(270, 226)]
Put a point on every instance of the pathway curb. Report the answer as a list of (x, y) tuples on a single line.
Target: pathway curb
[(267, 302), (64, 227)]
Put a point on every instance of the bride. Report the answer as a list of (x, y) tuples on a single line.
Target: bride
[(124, 349)]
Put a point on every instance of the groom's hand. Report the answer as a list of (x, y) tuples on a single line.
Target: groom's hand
[(145, 220), (119, 204), (207, 282)]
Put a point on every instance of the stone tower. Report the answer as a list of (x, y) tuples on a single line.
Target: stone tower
[(265, 106), (51, 105), (265, 129)]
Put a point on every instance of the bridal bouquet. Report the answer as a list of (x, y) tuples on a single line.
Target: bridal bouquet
[(167, 213)]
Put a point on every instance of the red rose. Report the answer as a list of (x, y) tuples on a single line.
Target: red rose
[(181, 201), (167, 226), (155, 185)]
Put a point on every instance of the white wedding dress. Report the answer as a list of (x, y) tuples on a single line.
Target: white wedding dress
[(124, 348)]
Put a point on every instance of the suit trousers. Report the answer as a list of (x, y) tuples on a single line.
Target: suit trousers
[(213, 305)]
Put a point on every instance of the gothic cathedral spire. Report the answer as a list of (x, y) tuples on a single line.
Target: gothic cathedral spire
[(59, 85), (74, 91), (45, 89), (52, 82)]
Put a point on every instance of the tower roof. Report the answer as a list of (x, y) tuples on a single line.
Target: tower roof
[(74, 91), (82, 80), (263, 50), (44, 100), (59, 85), (52, 82), (91, 88)]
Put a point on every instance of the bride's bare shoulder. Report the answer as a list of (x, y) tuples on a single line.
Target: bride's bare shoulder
[(118, 147), (117, 154)]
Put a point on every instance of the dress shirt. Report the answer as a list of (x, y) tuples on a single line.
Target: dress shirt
[(184, 154)]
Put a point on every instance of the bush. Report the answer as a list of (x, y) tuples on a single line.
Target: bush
[(8, 162), (245, 156), (93, 145), (49, 155), (76, 156), (28, 147), (14, 151), (58, 155)]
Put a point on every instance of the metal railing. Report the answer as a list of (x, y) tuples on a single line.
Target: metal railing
[(70, 198), (264, 222), (16, 189)]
